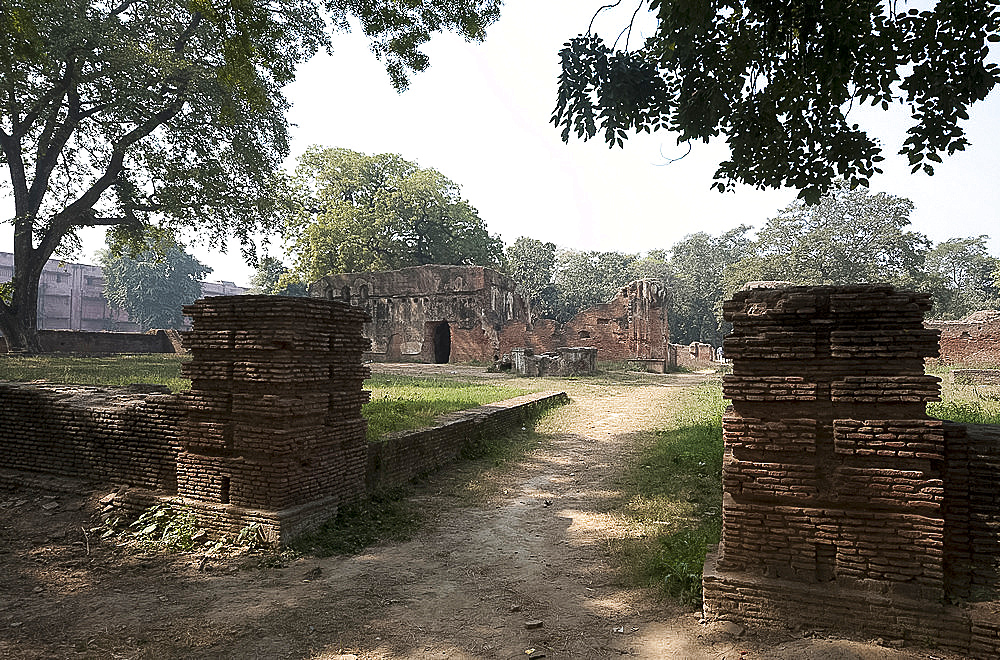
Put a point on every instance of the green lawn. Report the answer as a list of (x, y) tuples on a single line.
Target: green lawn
[(400, 402)]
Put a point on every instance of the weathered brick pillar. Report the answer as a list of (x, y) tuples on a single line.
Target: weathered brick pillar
[(833, 473), (274, 432)]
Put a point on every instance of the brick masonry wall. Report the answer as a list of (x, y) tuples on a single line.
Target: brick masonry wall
[(101, 343), (400, 457), (970, 342), (101, 434), (274, 411), (840, 494), (632, 325)]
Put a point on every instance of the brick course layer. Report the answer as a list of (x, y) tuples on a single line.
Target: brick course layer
[(103, 434), (840, 494), (400, 457)]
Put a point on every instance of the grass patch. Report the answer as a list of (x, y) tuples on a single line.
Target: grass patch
[(386, 516), (399, 403), (964, 404), (156, 368), (674, 492)]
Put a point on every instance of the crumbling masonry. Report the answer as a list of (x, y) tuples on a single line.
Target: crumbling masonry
[(845, 506), (274, 411)]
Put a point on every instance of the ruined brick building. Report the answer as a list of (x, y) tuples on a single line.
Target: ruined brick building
[(974, 340), (841, 496), (472, 314)]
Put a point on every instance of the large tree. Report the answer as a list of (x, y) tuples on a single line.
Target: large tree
[(697, 265), (777, 81), (531, 264), (584, 279), (128, 113), (153, 285), (961, 277), (353, 212), (849, 236)]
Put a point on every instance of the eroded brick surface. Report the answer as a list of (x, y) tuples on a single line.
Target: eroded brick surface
[(840, 494)]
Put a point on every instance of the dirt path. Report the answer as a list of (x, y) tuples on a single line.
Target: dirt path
[(522, 569)]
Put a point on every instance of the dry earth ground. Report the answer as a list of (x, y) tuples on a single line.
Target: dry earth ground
[(511, 565)]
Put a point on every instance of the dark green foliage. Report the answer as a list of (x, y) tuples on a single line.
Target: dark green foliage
[(153, 285), (531, 264), (273, 278), (351, 212), (585, 279), (961, 277), (144, 113), (777, 80), (696, 284), (386, 516), (848, 237)]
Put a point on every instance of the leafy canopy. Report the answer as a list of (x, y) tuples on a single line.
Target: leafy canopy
[(778, 80), (960, 271), (140, 113), (848, 237), (153, 285), (352, 212), (531, 264)]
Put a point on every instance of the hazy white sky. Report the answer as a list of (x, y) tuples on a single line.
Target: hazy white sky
[(480, 115)]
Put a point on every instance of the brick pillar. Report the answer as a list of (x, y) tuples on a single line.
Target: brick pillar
[(833, 473), (274, 432)]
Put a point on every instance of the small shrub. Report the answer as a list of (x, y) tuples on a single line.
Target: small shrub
[(167, 526)]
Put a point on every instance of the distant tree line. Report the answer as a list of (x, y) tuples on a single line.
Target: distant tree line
[(850, 236), (351, 212)]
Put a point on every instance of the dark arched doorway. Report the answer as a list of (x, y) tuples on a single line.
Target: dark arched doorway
[(442, 343)]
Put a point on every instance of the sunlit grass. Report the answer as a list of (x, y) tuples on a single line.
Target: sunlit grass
[(965, 404), (155, 368), (397, 402), (674, 493), (400, 403)]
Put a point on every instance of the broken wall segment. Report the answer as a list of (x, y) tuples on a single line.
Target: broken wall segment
[(437, 313), (433, 314), (839, 493), (974, 341), (273, 418), (632, 325), (118, 435)]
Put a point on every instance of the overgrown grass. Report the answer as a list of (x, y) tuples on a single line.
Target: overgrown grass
[(965, 404), (674, 492), (159, 369), (399, 403)]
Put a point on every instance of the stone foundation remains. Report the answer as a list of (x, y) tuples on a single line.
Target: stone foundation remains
[(563, 361), (844, 506)]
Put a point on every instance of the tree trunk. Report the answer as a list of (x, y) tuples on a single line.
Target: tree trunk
[(20, 334), (19, 320)]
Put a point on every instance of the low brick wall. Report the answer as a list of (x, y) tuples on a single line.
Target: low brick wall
[(130, 436), (402, 456), (116, 435), (105, 343)]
